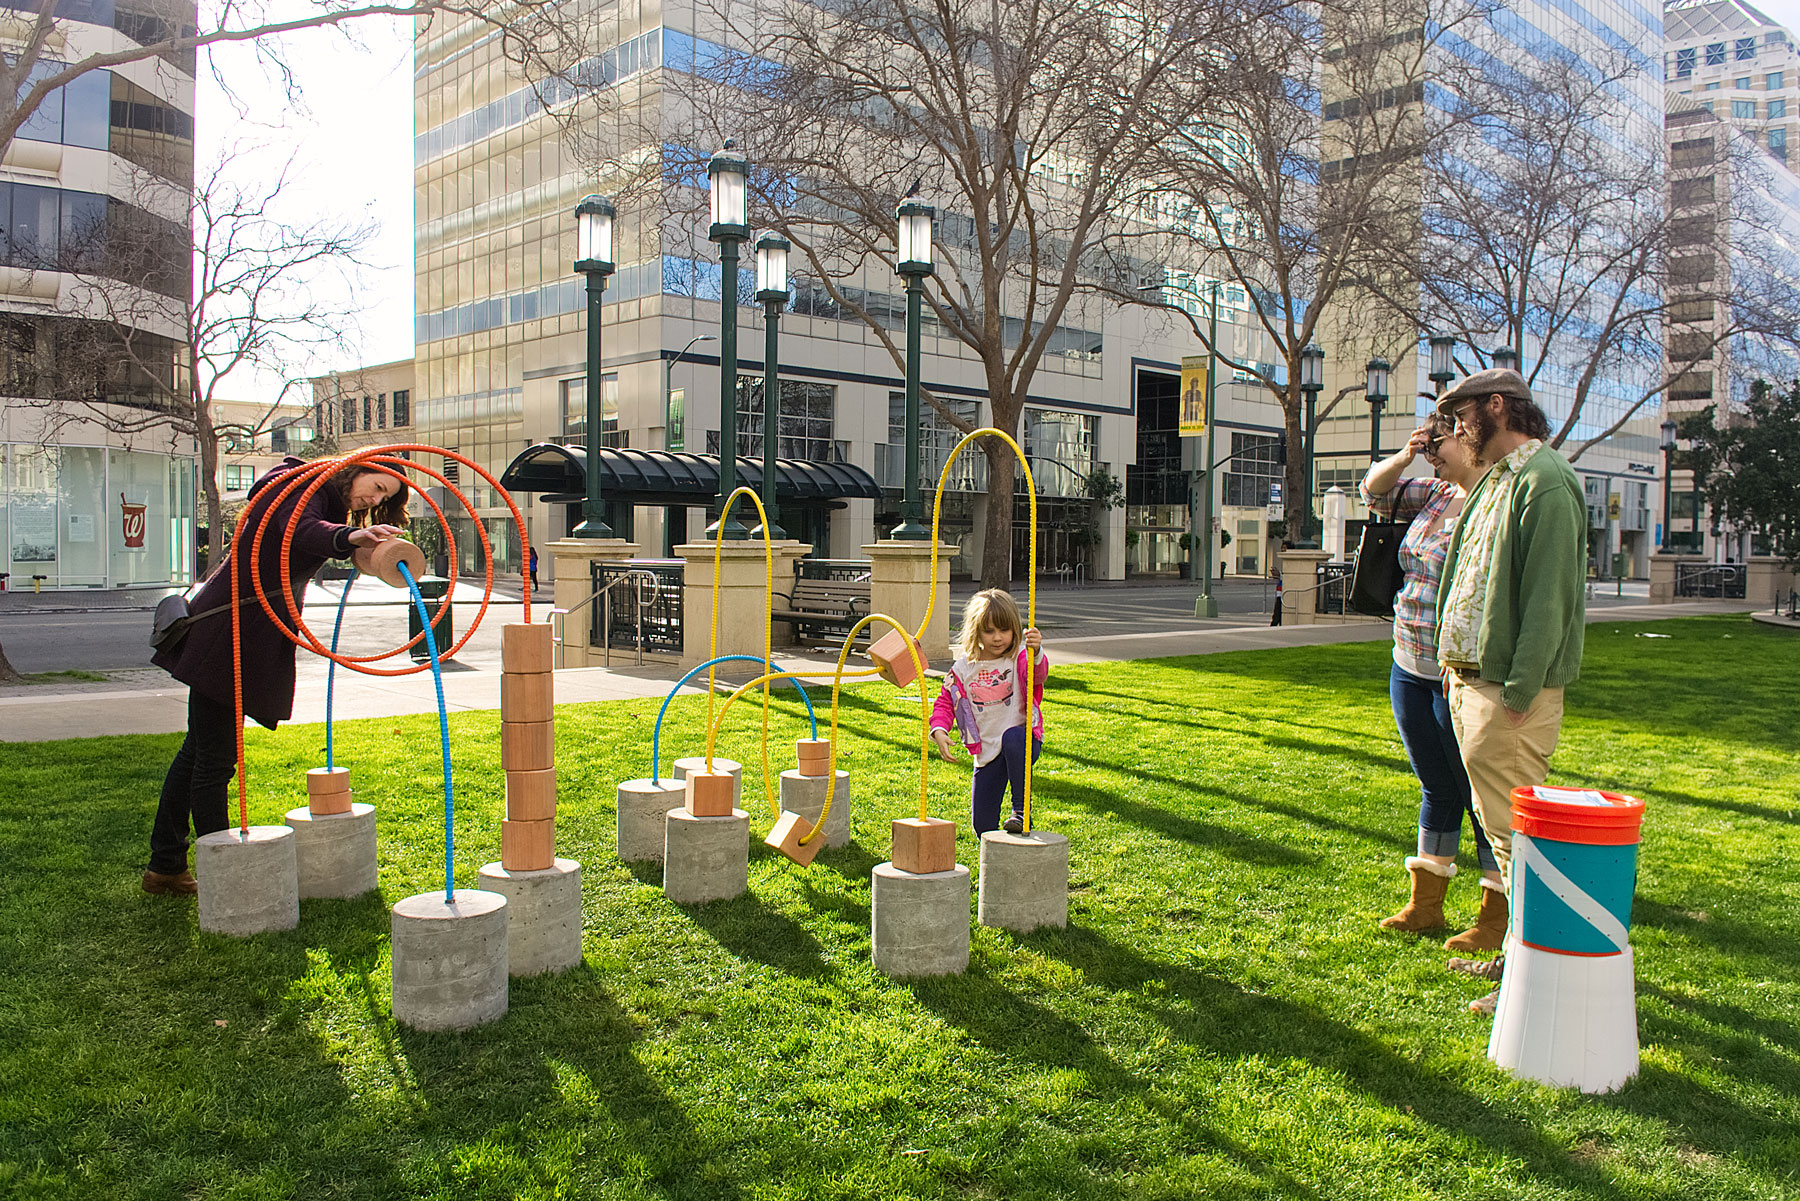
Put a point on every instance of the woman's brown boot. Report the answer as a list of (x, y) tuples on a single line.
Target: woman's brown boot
[(1425, 908), (1489, 931)]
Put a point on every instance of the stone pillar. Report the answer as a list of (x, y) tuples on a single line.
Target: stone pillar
[(1299, 586), (249, 880), (1662, 576), (900, 584), (449, 959), (1337, 507), (743, 597), (574, 583), (1767, 582)]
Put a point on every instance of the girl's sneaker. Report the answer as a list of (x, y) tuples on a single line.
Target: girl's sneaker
[(1015, 824)]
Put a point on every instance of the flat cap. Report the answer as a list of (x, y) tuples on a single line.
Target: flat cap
[(1484, 384)]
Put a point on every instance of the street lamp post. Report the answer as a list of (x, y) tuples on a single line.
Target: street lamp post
[(1206, 604), (1668, 449), (1376, 388), (1443, 361), (673, 440), (729, 176), (594, 259), (914, 262), (1505, 356), (772, 290), (1312, 382)]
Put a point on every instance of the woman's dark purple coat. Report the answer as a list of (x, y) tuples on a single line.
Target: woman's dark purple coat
[(202, 661)]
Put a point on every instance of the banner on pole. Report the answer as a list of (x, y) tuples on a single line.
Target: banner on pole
[(1193, 396)]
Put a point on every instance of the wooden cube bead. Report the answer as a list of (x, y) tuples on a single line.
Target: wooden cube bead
[(527, 745), (527, 846), (786, 836), (709, 794), (895, 661), (327, 781), (924, 846), (525, 648), (527, 696), (531, 795), (325, 804)]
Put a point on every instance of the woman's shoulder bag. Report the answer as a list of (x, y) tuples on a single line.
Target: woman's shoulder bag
[(1378, 572)]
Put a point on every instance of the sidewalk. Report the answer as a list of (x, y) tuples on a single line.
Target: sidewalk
[(149, 702)]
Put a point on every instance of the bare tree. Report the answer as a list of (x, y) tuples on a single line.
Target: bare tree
[(1027, 125), (139, 356), (1548, 227), (1293, 191)]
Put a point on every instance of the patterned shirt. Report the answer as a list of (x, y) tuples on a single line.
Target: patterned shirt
[(1421, 501), (1460, 636)]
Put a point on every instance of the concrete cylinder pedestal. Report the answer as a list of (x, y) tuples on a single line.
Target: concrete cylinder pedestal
[(335, 852), (449, 960), (543, 923), (705, 858), (697, 763), (1024, 881), (249, 880), (642, 807), (920, 923), (805, 795)]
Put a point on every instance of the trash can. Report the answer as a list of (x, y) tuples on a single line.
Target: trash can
[(433, 588)]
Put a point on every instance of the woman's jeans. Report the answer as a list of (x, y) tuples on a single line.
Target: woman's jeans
[(195, 786), (993, 777), (1422, 713)]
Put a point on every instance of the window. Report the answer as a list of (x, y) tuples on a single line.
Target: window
[(239, 476), (1773, 81), (1742, 83), (381, 411), (1744, 49), (1743, 110), (1715, 53), (349, 404), (368, 414), (803, 426), (1254, 469), (1777, 109), (1714, 86), (402, 408), (936, 439), (1707, 105), (574, 407), (1778, 143), (1062, 448), (1684, 61)]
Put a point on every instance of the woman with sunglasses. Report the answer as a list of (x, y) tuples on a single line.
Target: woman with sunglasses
[(1432, 504)]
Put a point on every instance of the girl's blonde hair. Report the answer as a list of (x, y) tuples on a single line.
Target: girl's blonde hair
[(990, 609)]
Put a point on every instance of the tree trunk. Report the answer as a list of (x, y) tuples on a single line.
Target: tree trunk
[(996, 553), (1296, 497), (208, 439), (8, 674)]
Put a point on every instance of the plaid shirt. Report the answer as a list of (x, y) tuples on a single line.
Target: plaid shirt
[(1422, 554)]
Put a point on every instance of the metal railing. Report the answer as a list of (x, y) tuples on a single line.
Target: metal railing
[(1724, 580), (1333, 585), (644, 617)]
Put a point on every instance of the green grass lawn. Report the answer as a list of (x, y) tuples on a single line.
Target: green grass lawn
[(1221, 1018)]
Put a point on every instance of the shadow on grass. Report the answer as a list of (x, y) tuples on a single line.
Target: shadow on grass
[(751, 930), (1221, 1018), (1736, 939), (1223, 839)]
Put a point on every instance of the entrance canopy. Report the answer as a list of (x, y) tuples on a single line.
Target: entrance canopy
[(674, 477)]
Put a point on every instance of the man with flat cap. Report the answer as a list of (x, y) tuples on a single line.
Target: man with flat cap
[(1511, 612)]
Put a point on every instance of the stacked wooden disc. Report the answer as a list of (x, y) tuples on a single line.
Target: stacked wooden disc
[(328, 790), (527, 748)]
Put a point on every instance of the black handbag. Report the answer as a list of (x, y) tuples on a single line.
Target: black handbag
[(1378, 572), (169, 625)]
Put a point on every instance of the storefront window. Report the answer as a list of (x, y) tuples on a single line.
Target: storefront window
[(86, 517)]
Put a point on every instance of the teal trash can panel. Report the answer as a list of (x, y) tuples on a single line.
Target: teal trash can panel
[(1606, 874)]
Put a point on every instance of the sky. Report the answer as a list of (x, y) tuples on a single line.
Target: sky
[(352, 135)]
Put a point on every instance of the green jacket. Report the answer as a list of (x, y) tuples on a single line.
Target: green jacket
[(1536, 612)]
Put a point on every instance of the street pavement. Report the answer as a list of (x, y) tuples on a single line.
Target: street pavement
[(1081, 625)]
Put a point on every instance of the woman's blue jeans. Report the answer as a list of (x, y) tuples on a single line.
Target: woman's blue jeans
[(1423, 715)]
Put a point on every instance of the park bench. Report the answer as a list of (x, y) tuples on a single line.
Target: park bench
[(816, 608)]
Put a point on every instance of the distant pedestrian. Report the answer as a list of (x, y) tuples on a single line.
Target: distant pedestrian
[(534, 582), (1431, 506), (984, 698), (1512, 612), (359, 506)]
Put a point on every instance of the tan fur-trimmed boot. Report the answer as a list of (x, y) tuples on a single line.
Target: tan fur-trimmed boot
[(1425, 907), (1489, 931)]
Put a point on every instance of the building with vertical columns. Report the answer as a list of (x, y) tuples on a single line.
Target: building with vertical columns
[(95, 277)]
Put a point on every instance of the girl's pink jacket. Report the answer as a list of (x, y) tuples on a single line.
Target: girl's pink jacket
[(953, 707)]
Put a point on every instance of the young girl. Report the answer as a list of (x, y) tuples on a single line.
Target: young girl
[(983, 693)]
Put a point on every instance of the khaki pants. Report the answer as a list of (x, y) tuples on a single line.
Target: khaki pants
[(1500, 753)]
